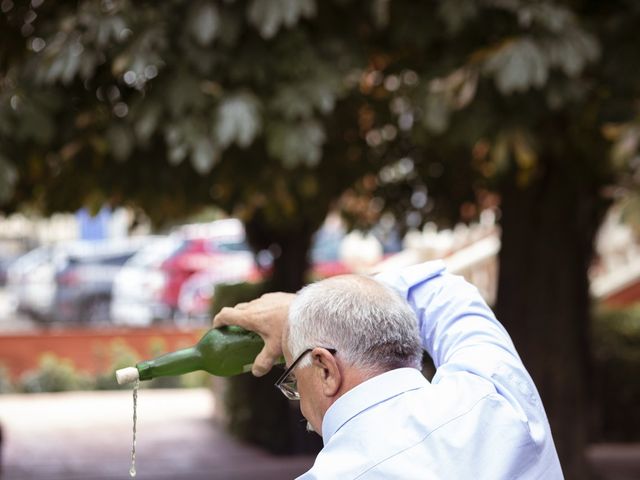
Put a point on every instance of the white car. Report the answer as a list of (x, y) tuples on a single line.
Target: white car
[(136, 298), (31, 279)]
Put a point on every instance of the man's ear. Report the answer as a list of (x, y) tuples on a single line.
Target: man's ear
[(326, 367)]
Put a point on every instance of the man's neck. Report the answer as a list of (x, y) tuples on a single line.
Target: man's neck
[(352, 377)]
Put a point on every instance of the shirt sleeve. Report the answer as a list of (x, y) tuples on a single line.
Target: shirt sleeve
[(463, 336)]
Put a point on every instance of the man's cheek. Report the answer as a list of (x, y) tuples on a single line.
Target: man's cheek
[(303, 409)]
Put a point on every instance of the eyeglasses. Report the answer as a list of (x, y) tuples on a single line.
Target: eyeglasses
[(289, 386)]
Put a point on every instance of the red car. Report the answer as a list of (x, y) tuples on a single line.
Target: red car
[(147, 288), (197, 292)]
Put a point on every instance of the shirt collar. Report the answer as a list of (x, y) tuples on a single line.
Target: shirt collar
[(367, 394)]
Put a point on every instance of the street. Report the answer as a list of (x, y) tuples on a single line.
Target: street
[(87, 435)]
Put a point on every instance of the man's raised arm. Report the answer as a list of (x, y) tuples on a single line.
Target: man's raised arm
[(461, 334)]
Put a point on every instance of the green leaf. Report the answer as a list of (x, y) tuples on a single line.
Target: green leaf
[(147, 120), (177, 153), (291, 103), (456, 13), (121, 141), (268, 16), (299, 100), (53, 71), (204, 155), (296, 143), (518, 66), (321, 92), (237, 120), (573, 51), (204, 22), (108, 28), (88, 65), (554, 18), (436, 113), (72, 64), (184, 93)]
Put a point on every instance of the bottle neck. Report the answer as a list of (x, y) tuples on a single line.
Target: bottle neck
[(174, 363)]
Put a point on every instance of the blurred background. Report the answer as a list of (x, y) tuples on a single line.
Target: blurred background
[(159, 161)]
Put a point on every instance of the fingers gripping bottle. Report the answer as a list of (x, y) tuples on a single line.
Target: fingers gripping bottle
[(224, 352)]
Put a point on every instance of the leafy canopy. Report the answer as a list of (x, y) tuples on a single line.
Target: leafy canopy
[(278, 106)]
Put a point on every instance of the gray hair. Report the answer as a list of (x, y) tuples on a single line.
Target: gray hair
[(370, 325)]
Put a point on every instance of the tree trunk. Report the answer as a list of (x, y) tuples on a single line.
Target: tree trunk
[(257, 411), (290, 248), (548, 230), (291, 265)]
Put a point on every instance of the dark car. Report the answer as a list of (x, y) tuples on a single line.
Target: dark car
[(84, 285)]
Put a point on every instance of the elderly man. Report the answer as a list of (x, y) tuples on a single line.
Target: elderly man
[(353, 347)]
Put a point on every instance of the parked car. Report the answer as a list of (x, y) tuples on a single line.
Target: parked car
[(196, 295), (30, 280), (10, 251), (5, 262), (84, 284), (147, 288)]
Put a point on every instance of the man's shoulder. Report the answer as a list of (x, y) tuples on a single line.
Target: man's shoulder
[(408, 276), (425, 434)]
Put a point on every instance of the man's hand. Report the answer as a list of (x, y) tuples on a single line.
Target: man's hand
[(267, 316)]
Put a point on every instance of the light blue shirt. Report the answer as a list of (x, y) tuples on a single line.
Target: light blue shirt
[(480, 417)]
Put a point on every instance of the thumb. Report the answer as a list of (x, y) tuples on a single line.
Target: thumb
[(229, 316)]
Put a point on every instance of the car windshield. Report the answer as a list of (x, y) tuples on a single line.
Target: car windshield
[(34, 257), (112, 259), (117, 259), (229, 246), (156, 252)]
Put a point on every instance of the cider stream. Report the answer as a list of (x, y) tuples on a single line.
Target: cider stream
[(132, 470)]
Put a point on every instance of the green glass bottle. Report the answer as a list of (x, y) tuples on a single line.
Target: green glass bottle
[(222, 351)]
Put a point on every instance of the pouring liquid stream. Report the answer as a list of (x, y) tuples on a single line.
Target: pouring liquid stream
[(132, 470)]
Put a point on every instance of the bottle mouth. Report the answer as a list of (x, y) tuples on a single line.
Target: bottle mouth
[(127, 375)]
